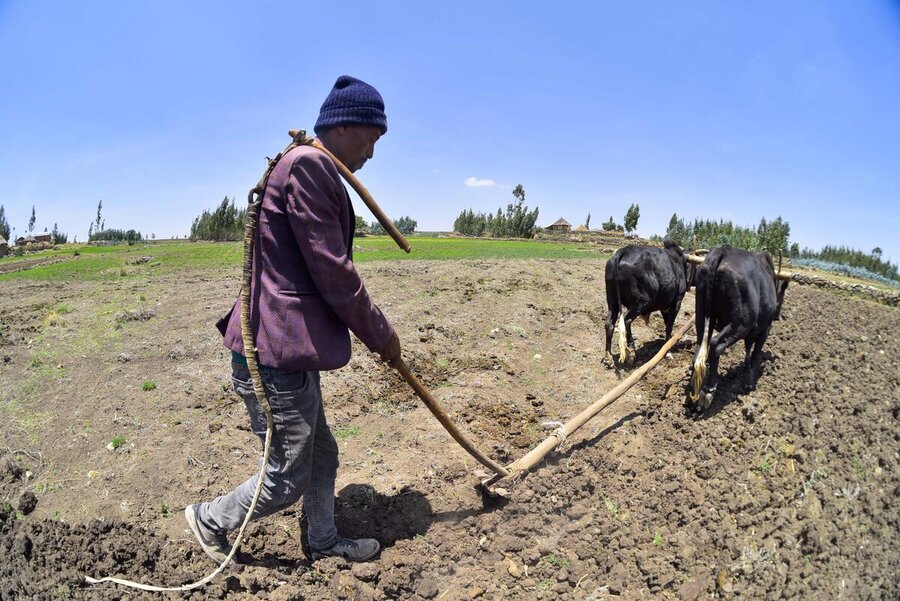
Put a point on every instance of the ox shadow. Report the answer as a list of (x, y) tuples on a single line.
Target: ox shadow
[(734, 383), (647, 351)]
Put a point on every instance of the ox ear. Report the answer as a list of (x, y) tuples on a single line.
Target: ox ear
[(671, 245)]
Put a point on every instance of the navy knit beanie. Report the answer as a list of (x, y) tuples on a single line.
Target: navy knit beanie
[(352, 102)]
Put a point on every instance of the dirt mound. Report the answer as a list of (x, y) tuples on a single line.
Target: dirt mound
[(783, 491)]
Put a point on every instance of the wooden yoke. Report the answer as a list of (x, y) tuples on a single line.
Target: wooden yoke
[(779, 275)]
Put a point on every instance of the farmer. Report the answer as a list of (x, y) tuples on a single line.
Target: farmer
[(306, 294)]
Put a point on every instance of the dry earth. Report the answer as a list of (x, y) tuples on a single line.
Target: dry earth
[(785, 491)]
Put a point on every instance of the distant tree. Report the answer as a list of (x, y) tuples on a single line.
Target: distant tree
[(471, 224), (610, 225), (98, 225), (676, 231), (587, 222), (58, 236), (360, 225), (631, 217), (226, 222), (854, 258), (114, 235), (377, 229), (519, 192), (876, 252), (153, 236), (406, 225), (31, 220), (516, 222), (795, 251), (90, 231), (4, 224)]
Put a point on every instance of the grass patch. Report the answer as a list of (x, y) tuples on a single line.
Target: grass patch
[(555, 561), (766, 464), (148, 385), (116, 442), (52, 319), (612, 507), (345, 433), (106, 263)]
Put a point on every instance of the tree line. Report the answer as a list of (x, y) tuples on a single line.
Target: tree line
[(516, 222), (226, 223), (98, 232), (842, 255), (771, 236), (405, 225)]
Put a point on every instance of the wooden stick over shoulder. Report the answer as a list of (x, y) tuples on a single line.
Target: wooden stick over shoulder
[(366, 196)]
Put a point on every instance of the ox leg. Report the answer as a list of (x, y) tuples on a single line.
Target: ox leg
[(613, 307), (726, 337), (610, 327), (748, 346), (756, 357), (669, 318), (629, 317)]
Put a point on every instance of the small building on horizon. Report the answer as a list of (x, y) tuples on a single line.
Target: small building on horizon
[(560, 225)]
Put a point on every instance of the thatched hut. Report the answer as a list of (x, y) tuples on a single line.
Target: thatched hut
[(561, 226)]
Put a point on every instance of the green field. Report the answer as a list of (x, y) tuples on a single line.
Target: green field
[(81, 262)]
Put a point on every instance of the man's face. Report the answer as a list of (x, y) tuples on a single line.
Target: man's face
[(355, 144)]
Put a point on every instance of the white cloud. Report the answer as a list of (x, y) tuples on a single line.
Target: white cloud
[(474, 182)]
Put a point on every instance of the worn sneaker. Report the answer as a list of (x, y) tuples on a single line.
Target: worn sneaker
[(214, 545), (362, 549)]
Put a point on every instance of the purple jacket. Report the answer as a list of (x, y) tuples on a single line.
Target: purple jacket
[(306, 291)]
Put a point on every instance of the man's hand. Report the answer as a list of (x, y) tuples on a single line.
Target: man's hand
[(390, 354)]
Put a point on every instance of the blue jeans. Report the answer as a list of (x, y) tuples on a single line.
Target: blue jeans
[(303, 460)]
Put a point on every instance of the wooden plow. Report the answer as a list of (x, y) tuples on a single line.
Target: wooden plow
[(498, 484)]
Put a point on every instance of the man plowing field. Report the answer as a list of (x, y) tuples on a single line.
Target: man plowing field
[(305, 294)]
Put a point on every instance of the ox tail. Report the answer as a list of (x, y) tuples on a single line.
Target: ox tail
[(705, 308), (699, 374), (620, 323)]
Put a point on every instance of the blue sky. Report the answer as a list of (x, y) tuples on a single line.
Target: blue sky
[(708, 109)]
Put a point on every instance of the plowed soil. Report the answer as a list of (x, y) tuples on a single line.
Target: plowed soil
[(787, 490)]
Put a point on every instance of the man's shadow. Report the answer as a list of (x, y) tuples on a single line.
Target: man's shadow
[(363, 512)]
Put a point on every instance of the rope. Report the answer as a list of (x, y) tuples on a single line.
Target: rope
[(560, 432), (254, 199)]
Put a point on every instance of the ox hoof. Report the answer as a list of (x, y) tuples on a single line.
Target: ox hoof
[(707, 400), (608, 360)]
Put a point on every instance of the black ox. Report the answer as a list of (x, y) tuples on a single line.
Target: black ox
[(738, 296), (643, 279)]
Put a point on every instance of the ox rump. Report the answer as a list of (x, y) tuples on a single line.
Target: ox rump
[(738, 296), (640, 280)]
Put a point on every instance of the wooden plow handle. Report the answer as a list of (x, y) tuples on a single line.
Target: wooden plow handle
[(445, 420)]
